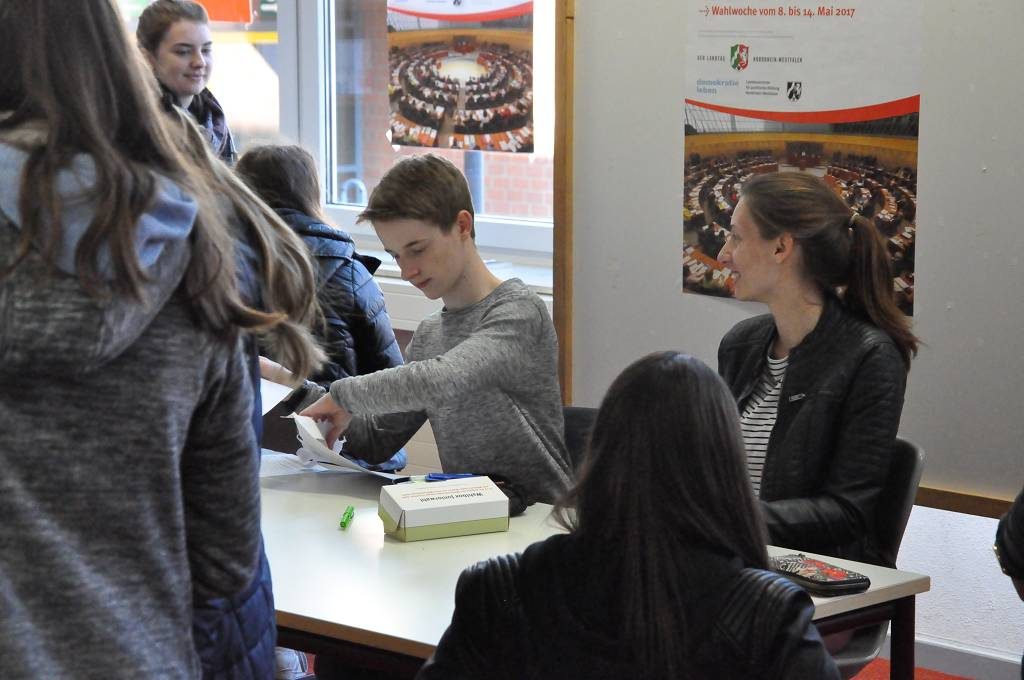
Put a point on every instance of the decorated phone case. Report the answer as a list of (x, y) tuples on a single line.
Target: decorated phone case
[(817, 577)]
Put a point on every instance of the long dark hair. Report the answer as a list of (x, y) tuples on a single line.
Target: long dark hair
[(840, 249), (69, 72), (284, 176), (664, 471)]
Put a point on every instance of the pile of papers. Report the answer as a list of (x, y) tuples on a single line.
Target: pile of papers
[(314, 454)]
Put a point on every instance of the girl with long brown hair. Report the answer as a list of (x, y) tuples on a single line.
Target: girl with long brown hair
[(130, 469), (355, 330)]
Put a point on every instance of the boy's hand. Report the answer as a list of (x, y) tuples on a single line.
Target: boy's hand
[(326, 409)]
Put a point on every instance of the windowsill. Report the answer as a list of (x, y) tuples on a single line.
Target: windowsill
[(537, 277), (407, 306), (518, 248)]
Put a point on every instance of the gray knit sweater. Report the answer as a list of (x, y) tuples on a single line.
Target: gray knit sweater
[(487, 378), (128, 478)]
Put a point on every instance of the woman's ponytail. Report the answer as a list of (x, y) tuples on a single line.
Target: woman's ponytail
[(869, 291), (841, 250)]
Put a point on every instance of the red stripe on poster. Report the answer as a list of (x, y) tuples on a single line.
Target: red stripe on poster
[(494, 15), (897, 107)]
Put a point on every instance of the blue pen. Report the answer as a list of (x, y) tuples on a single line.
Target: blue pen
[(444, 476), (434, 477)]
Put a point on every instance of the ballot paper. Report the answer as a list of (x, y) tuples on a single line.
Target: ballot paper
[(314, 450), (271, 394), (277, 464)]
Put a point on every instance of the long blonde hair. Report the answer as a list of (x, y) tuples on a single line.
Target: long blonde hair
[(70, 69), (286, 270)]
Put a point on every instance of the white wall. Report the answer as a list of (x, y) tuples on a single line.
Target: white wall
[(972, 607), (628, 165), (964, 389)]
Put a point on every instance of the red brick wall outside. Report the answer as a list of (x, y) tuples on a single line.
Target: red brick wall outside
[(515, 184)]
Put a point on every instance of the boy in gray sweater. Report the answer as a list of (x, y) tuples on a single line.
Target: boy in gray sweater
[(483, 370)]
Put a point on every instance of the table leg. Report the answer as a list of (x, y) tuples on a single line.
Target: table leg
[(902, 643), (353, 656)]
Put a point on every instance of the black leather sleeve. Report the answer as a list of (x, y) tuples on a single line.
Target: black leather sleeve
[(1010, 539), (766, 621), (841, 510), (801, 652), (488, 622)]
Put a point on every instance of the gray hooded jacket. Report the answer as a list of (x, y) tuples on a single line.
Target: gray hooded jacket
[(128, 481)]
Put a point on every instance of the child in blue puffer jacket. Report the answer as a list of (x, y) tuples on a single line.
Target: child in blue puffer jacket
[(355, 330)]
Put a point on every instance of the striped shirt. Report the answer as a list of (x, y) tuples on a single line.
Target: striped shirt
[(758, 417)]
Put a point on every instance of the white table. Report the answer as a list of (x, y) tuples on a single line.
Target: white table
[(891, 597), (384, 604), (383, 598)]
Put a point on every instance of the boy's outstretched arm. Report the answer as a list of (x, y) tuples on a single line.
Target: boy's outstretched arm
[(499, 352)]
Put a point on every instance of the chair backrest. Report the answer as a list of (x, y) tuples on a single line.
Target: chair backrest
[(579, 421), (897, 498)]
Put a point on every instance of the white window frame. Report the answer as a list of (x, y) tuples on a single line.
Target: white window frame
[(307, 115)]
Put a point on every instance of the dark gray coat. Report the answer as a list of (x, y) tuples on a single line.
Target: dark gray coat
[(129, 485)]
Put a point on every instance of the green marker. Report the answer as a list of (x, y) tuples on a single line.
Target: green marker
[(346, 517)]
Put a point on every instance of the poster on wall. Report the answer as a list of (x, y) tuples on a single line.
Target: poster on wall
[(461, 74), (832, 90)]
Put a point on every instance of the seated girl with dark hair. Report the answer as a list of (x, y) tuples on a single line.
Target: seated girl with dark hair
[(663, 571)]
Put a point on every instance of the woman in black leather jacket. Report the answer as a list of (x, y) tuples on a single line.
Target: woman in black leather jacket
[(820, 380), (663, 572)]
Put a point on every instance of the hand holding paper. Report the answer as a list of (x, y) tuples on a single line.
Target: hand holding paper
[(313, 455), (315, 449), (326, 410)]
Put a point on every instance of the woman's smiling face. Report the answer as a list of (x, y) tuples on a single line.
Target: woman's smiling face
[(184, 59), (751, 257)]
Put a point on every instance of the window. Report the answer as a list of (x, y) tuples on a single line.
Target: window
[(513, 191), (324, 85)]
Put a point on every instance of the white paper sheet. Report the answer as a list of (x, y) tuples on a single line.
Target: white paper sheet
[(275, 464), (272, 394), (314, 448)]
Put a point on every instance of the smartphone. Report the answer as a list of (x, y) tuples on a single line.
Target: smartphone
[(817, 577)]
